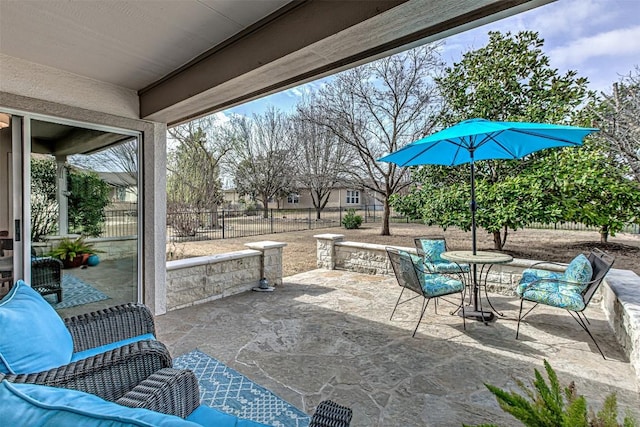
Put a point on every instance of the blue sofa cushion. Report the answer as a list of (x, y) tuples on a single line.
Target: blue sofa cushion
[(37, 405), (210, 417), (104, 348), (34, 338)]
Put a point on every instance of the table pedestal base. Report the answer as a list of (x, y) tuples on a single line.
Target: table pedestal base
[(483, 316)]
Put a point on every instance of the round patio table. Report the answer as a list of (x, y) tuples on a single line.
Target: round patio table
[(487, 260)]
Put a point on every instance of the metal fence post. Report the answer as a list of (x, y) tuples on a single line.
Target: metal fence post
[(271, 220), (223, 223)]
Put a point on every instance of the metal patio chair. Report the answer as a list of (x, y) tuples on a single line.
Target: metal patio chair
[(411, 273), (566, 290)]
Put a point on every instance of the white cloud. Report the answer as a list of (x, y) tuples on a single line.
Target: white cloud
[(614, 43), (570, 17)]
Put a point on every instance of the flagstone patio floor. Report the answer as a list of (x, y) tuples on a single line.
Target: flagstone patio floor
[(327, 335)]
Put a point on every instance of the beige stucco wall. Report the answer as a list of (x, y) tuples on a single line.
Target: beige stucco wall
[(26, 78)]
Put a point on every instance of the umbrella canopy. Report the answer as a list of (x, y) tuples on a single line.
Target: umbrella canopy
[(480, 139)]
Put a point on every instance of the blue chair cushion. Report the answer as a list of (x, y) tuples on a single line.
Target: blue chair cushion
[(104, 348), (579, 270), (432, 250), (38, 405), (435, 285), (210, 417), (556, 295), (531, 275), (34, 338), (448, 267)]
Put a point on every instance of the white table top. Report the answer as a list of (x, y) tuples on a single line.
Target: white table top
[(481, 257)]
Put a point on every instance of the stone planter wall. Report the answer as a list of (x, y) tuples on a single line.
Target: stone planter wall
[(619, 294), (197, 280)]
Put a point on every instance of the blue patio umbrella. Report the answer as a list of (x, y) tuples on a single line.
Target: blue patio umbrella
[(480, 139)]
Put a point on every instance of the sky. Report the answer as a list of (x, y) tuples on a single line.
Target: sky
[(600, 39)]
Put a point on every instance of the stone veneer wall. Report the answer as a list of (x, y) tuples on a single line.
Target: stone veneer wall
[(619, 296), (198, 280)]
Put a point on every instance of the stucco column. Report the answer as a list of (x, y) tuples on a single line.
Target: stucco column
[(326, 253), (62, 195), (271, 260)]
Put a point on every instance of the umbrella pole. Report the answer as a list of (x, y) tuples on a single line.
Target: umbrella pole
[(473, 206)]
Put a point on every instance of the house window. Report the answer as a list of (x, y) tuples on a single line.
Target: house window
[(293, 198), (121, 194), (353, 197)]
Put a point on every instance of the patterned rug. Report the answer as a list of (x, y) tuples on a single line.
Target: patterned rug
[(229, 391), (75, 292)]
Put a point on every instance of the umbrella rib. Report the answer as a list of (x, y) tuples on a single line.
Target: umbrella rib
[(501, 145), (553, 138)]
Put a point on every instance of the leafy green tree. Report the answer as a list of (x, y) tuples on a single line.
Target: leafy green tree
[(88, 197), (509, 79), (595, 189)]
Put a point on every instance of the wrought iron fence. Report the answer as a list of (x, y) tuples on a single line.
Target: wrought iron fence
[(117, 223), (629, 228), (228, 224)]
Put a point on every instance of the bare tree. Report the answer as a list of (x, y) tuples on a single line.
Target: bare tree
[(322, 158), (193, 164), (261, 160), (619, 120), (378, 108)]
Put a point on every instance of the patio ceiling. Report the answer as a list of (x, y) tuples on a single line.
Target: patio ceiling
[(187, 58)]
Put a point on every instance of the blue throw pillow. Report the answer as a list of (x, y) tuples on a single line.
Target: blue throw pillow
[(579, 270), (34, 338), (38, 405)]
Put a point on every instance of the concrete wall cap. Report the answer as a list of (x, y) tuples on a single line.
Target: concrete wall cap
[(329, 236), (266, 244)]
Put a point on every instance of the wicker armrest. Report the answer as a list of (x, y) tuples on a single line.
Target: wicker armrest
[(109, 325), (330, 414), (170, 391), (109, 375)]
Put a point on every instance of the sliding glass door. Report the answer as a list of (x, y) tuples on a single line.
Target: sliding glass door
[(79, 219)]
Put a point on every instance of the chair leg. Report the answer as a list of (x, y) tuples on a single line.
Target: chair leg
[(397, 302), (59, 295), (584, 326), (425, 304), (519, 317), (464, 323)]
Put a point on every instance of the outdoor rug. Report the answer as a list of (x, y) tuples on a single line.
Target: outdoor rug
[(75, 292), (229, 391)]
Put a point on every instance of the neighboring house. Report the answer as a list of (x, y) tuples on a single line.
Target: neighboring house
[(124, 187), (340, 197)]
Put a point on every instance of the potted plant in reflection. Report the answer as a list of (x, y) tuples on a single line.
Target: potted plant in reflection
[(72, 252)]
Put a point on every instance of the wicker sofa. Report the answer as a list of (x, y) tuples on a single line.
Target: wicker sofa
[(111, 373)]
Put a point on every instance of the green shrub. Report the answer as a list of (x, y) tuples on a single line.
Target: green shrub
[(547, 405), (351, 220)]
